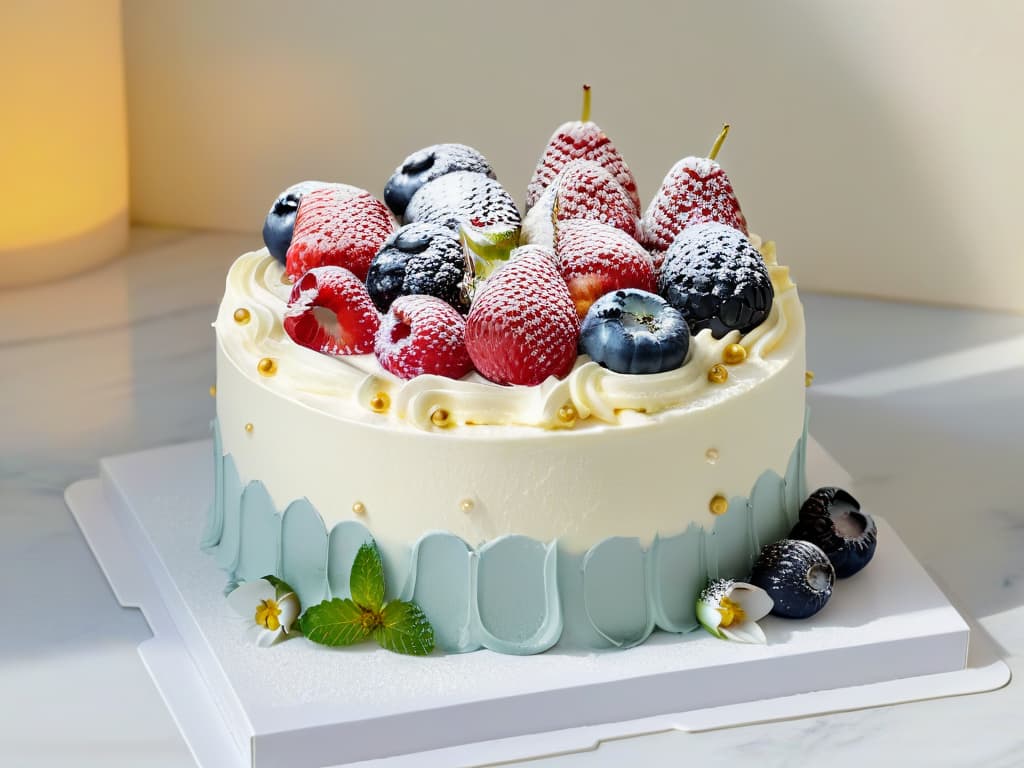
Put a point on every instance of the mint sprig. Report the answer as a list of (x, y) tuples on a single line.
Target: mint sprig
[(399, 626)]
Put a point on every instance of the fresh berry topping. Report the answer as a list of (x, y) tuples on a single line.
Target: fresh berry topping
[(717, 279), (631, 331), (418, 259), (832, 519), (330, 311), (595, 258), (580, 140), (426, 165), (695, 190), (280, 221), (583, 190), (339, 226), (463, 197), (523, 327), (797, 575), (423, 335)]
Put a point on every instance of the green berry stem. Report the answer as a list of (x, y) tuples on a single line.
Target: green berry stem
[(585, 118), (718, 142)]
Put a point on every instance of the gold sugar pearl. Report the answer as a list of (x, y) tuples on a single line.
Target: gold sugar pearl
[(567, 414), (808, 378), (718, 504), (380, 402), (242, 316), (267, 366), (440, 417), (213, 390), (466, 505), (718, 373), (734, 354), (249, 427), (358, 508), (711, 455)]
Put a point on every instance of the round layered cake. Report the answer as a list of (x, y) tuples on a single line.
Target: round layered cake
[(524, 431), (588, 509)]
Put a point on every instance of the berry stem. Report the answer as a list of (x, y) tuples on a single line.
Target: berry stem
[(718, 142), (585, 118)]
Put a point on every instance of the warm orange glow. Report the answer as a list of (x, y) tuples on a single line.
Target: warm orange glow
[(63, 143)]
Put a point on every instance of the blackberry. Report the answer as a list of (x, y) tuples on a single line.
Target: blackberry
[(464, 197), (426, 165), (832, 519), (420, 258), (717, 279)]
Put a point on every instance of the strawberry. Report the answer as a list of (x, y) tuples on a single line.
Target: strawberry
[(595, 259), (423, 335), (338, 225), (580, 140), (523, 327), (583, 190), (330, 311)]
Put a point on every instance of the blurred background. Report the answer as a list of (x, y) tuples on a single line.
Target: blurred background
[(877, 142)]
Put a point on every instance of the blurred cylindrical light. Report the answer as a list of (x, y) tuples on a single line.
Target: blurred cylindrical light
[(63, 138)]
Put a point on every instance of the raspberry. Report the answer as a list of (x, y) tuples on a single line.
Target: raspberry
[(329, 311), (423, 335), (339, 226), (717, 279), (523, 327), (695, 191), (595, 259)]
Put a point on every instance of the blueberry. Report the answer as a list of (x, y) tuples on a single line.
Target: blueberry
[(280, 221), (797, 575), (427, 164), (832, 519), (419, 258), (633, 331), (717, 279)]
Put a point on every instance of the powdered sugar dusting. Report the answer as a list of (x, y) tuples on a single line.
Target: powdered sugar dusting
[(580, 141), (695, 190), (523, 326), (339, 226)]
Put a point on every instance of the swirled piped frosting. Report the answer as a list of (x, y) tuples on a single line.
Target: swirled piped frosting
[(345, 386)]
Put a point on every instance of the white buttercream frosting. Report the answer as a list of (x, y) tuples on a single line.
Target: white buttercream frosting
[(344, 386)]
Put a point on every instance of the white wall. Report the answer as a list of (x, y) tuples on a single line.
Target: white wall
[(879, 142)]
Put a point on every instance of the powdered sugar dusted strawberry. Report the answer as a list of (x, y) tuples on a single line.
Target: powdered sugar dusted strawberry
[(340, 226), (330, 311), (523, 326), (423, 335), (695, 191), (583, 190), (580, 140), (595, 259)]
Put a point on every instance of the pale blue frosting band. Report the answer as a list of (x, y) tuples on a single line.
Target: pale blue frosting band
[(514, 594)]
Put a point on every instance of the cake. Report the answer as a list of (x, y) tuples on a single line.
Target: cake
[(583, 511)]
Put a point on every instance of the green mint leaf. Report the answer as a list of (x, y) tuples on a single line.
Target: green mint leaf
[(404, 629), (366, 583), (334, 622)]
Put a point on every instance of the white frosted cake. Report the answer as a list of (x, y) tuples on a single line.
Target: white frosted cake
[(585, 510)]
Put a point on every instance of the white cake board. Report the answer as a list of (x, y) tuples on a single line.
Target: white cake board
[(889, 635)]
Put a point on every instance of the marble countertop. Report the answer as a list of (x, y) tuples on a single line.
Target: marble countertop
[(924, 406)]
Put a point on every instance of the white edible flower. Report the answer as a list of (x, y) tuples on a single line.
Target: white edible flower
[(731, 609), (271, 610)]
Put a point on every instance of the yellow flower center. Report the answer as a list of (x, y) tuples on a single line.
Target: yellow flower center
[(266, 615), (731, 612)]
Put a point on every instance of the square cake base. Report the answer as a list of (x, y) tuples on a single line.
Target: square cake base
[(888, 634)]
